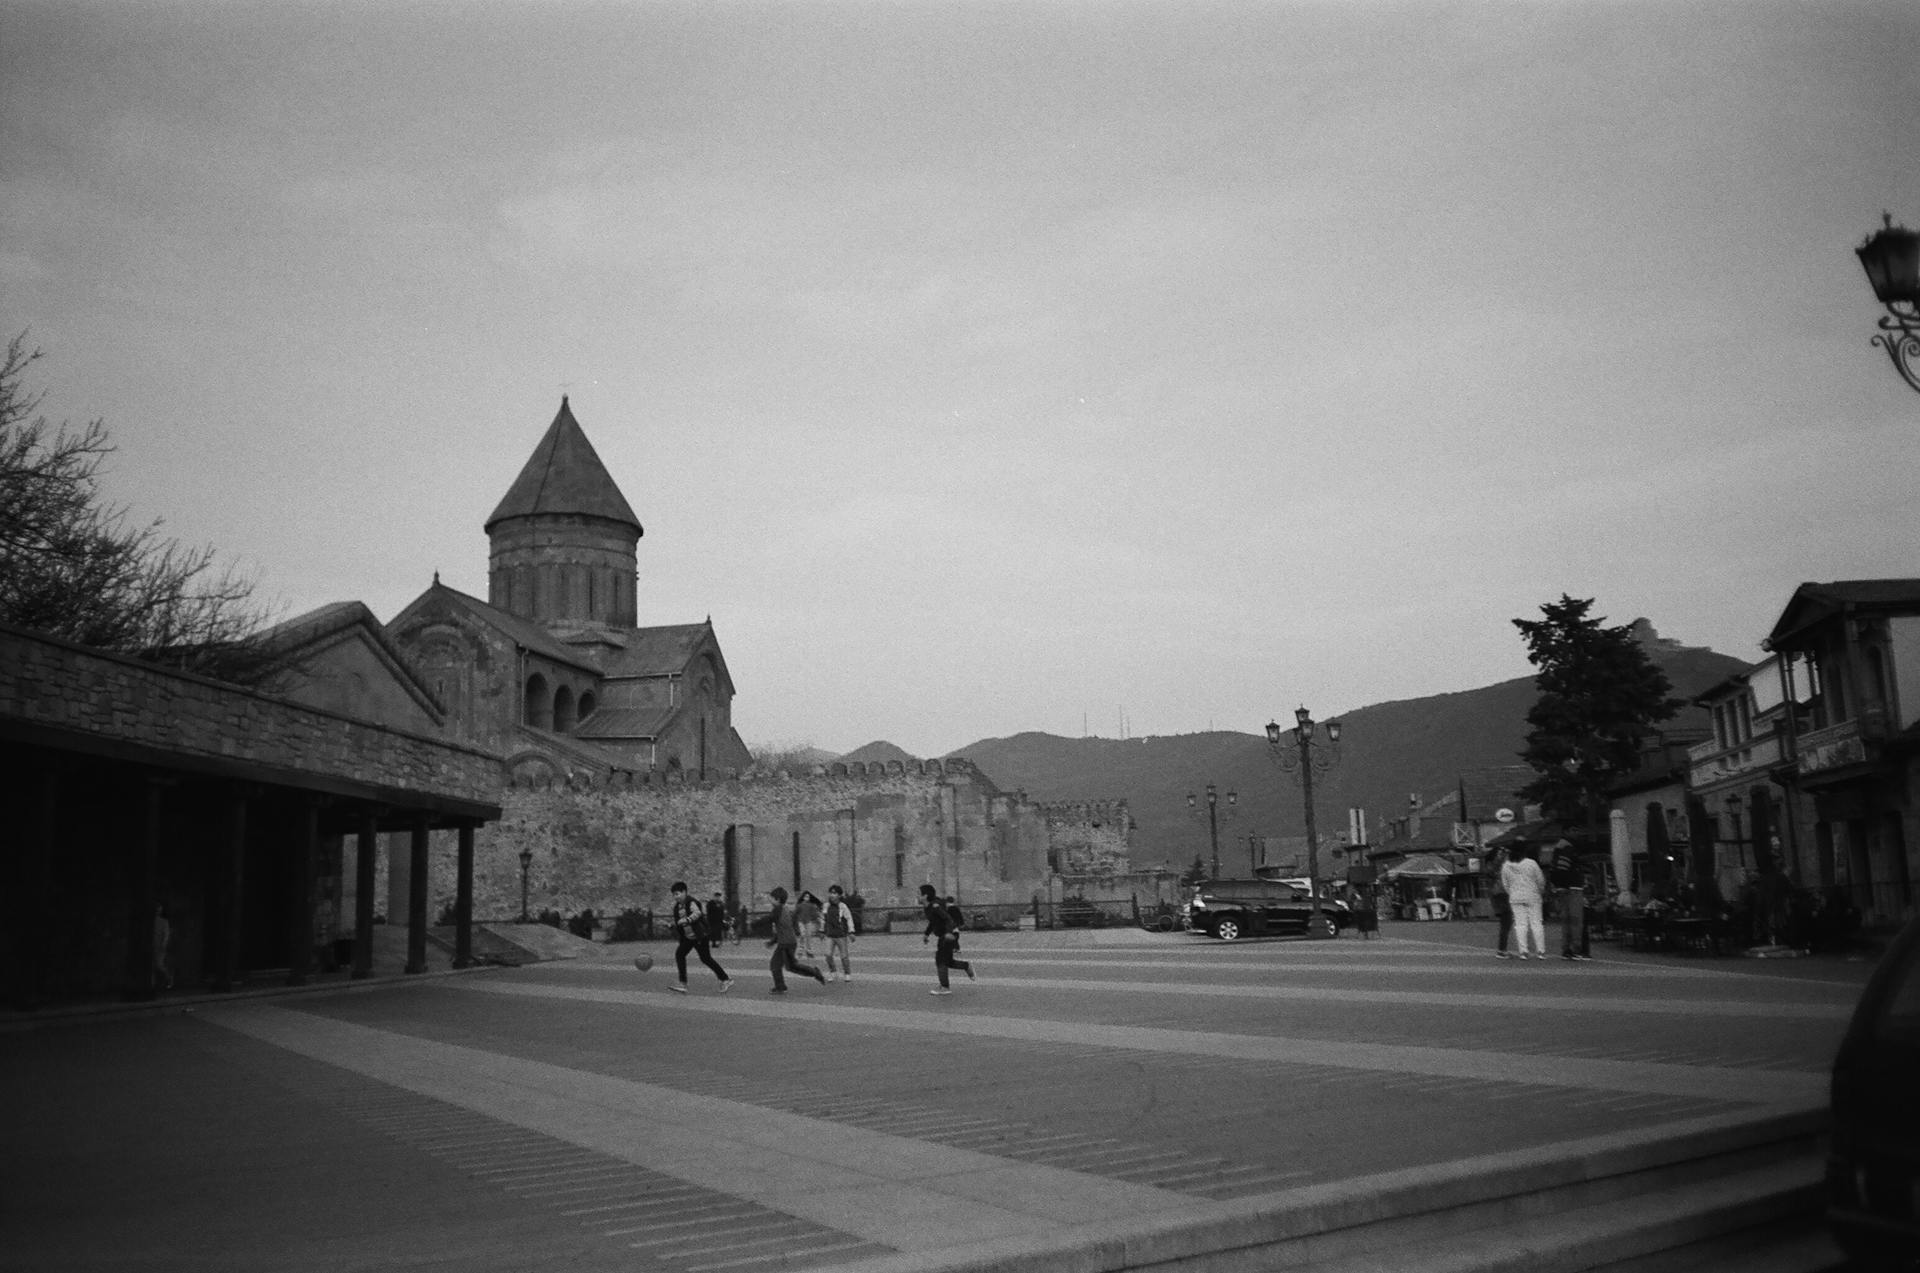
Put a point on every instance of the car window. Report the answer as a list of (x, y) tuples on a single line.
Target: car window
[(1899, 1017)]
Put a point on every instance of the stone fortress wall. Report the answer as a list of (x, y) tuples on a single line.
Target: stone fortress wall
[(613, 841)]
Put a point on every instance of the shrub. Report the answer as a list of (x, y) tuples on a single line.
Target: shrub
[(551, 918), (632, 924), (581, 925)]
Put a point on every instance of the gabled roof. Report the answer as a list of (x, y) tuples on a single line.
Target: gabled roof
[(521, 631), (659, 651), (290, 642), (1813, 603), (625, 722), (565, 475)]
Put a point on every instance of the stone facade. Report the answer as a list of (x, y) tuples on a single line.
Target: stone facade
[(1089, 838)]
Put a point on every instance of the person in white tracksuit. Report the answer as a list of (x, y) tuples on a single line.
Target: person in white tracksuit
[(1526, 888)]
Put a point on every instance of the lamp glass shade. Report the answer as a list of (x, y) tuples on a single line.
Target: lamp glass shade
[(1233, 798), (1891, 258), (1213, 795), (1304, 719), (526, 857), (1193, 801), (1273, 732), (1333, 731)]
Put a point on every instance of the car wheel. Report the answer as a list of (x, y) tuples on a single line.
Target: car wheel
[(1167, 924), (1227, 930), (1328, 928)]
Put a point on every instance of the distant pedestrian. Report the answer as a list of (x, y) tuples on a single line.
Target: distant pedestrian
[(162, 943), (1502, 908), (1570, 883), (837, 922), (785, 940), (690, 926), (806, 917), (1526, 887), (717, 925), (1365, 917), (940, 925)]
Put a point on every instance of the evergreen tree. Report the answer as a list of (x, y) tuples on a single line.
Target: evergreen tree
[(1600, 695)]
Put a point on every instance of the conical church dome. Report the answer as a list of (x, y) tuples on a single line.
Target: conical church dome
[(564, 475), (563, 539)]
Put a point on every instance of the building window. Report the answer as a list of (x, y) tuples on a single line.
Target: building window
[(538, 703)]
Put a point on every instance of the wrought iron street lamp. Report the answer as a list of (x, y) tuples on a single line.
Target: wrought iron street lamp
[(1213, 817), (526, 861), (1305, 757), (1891, 258)]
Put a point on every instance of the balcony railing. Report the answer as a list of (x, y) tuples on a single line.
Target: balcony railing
[(1709, 762), (1837, 746)]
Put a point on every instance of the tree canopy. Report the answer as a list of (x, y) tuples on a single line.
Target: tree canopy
[(74, 566), (1600, 694)]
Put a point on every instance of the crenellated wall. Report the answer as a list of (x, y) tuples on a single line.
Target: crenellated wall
[(1089, 837), (614, 841)]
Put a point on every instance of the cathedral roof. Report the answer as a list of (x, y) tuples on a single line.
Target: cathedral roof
[(565, 475)]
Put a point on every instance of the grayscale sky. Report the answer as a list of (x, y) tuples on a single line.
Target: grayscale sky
[(1000, 366)]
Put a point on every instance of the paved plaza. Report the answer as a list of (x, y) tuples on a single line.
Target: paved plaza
[(577, 1115)]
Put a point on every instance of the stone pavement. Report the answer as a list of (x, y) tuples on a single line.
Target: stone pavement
[(577, 1115)]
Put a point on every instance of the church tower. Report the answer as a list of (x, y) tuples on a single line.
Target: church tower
[(563, 539)]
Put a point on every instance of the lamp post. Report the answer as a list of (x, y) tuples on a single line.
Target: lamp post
[(1213, 817), (1891, 258), (526, 861), (1306, 757)]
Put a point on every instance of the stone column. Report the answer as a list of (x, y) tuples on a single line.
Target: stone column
[(417, 898), (363, 863), (229, 894), (463, 901), (306, 861), (143, 898)]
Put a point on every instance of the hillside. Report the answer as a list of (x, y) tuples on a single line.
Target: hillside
[(880, 752), (1388, 751)]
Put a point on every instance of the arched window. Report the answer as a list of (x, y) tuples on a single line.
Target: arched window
[(587, 703), (539, 703), (563, 710)]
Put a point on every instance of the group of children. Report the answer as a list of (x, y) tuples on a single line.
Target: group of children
[(834, 919)]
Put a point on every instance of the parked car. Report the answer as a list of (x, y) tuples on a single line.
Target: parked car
[(1232, 909), (1873, 1171), (1329, 901)]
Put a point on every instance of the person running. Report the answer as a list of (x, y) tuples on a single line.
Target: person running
[(837, 922), (940, 924), (690, 926), (785, 942), (1526, 886)]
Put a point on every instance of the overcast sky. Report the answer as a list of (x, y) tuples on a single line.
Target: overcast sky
[(990, 367)]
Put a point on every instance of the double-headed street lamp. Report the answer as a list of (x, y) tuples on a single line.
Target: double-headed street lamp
[(1213, 817), (1304, 758), (1891, 258)]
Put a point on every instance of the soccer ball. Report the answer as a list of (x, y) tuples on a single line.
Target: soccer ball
[(643, 963)]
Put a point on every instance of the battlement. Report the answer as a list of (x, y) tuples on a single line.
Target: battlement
[(526, 772), (1087, 812)]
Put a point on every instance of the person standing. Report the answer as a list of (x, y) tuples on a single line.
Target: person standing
[(1570, 882), (1502, 908), (785, 941), (690, 926), (837, 922), (806, 915), (1526, 886), (940, 925), (716, 920)]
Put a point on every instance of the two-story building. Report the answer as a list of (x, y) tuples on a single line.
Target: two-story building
[(1747, 816), (1856, 643)]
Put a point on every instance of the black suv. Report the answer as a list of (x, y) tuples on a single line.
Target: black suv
[(1873, 1175), (1232, 909)]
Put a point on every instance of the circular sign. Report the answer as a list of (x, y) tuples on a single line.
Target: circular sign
[(1503, 815)]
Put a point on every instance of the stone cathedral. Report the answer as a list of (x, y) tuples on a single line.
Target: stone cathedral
[(553, 670)]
